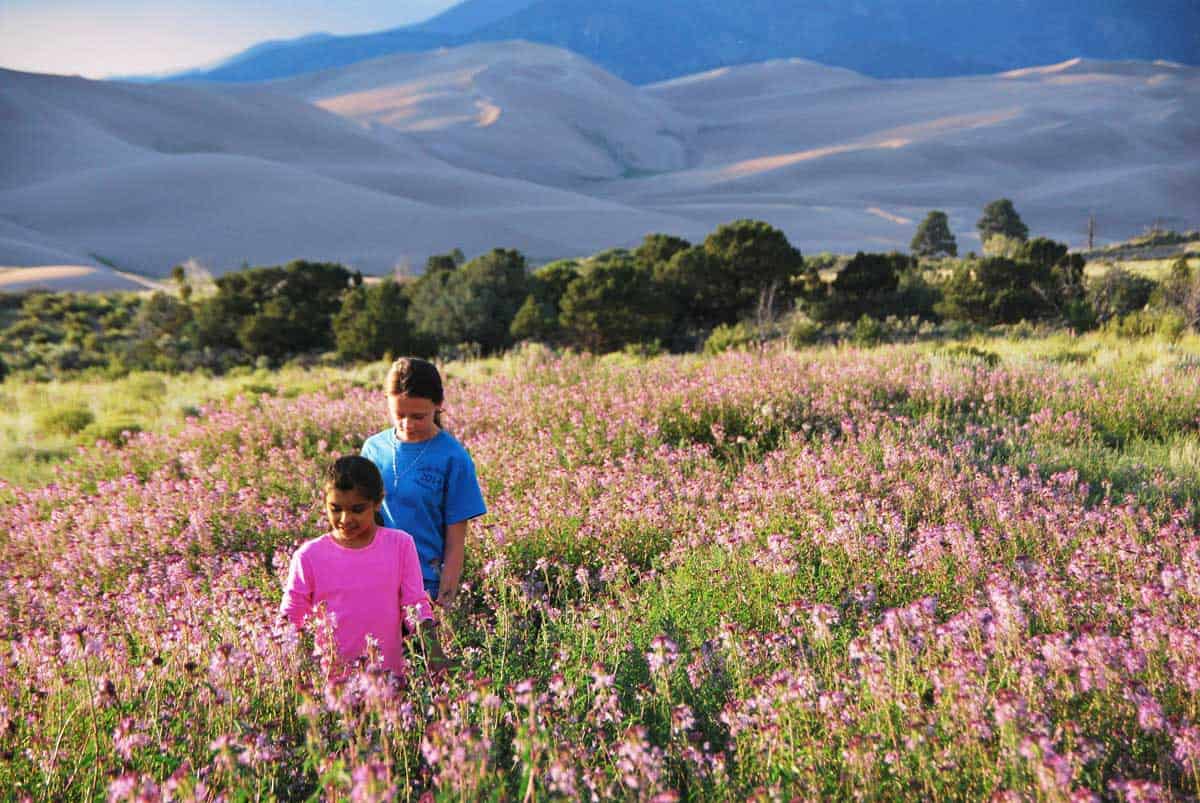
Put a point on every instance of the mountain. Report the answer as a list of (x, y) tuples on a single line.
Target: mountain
[(644, 41), (518, 145), (471, 15)]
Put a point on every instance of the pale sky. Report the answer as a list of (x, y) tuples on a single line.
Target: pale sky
[(103, 38)]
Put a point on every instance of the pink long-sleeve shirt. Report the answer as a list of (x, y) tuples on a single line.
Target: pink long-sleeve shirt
[(368, 590)]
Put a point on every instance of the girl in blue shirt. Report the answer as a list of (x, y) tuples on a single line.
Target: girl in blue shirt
[(430, 487)]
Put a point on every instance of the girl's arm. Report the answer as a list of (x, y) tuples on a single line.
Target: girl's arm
[(418, 614), (452, 563), (297, 593), (463, 501)]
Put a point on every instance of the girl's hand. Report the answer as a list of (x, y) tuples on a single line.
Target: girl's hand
[(447, 597)]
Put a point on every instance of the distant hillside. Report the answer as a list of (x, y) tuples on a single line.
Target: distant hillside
[(1152, 245), (644, 41), (517, 145)]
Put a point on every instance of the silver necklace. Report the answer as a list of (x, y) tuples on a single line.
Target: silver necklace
[(396, 472)]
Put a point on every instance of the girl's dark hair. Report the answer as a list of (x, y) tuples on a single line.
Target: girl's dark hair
[(355, 473), (412, 376)]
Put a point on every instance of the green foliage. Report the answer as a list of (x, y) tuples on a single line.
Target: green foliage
[(758, 260), (1181, 271), (474, 303), (866, 285), (803, 331), (1000, 217), (373, 322), (933, 237), (66, 332), (64, 419), (1042, 251), (534, 321), (163, 334), (1118, 292), (916, 296), (274, 312), (146, 388), (697, 288), (537, 318), (611, 304), (869, 274), (658, 249), (445, 262), (1166, 324), (725, 337), (967, 353), (1180, 291), (996, 290), (116, 430), (868, 331)]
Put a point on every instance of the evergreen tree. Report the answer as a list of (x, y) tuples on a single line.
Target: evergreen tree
[(275, 311), (866, 285), (698, 289), (373, 323), (474, 303), (758, 260), (996, 290), (537, 318), (611, 304), (657, 249), (1000, 217), (933, 237)]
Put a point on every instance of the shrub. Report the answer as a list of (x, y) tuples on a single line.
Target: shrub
[(966, 353), (803, 331), (1117, 293), (258, 389), (114, 430), (64, 419), (868, 331), (1169, 325), (725, 337), (644, 350)]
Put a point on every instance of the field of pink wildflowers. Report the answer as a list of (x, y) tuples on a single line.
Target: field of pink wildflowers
[(880, 575)]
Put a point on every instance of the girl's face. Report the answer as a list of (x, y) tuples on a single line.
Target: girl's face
[(413, 417), (351, 517)]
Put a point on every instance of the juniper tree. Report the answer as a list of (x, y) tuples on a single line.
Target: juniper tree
[(999, 217), (933, 237)]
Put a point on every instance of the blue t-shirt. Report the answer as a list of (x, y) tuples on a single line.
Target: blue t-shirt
[(427, 486)]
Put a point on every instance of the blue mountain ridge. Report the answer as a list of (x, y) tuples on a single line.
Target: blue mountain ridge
[(645, 41)]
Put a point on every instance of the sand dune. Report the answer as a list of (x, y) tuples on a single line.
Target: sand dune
[(513, 109), (517, 145), (60, 278)]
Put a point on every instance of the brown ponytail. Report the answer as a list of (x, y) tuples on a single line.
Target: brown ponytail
[(412, 376)]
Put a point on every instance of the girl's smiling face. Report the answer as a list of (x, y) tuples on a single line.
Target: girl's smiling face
[(351, 517), (413, 416)]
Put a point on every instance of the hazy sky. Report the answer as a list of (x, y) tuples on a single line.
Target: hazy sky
[(100, 38)]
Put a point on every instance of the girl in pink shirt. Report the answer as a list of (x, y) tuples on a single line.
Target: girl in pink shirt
[(368, 577)]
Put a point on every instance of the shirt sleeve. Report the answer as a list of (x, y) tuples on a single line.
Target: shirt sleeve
[(464, 500), (412, 587), (297, 592)]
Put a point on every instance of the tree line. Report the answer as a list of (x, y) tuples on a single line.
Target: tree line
[(744, 281)]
